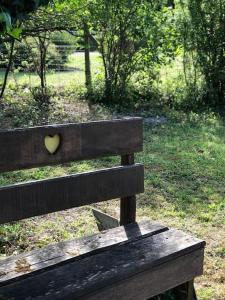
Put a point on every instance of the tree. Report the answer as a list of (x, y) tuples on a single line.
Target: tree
[(88, 79), (131, 36), (37, 25), (205, 27), (11, 15)]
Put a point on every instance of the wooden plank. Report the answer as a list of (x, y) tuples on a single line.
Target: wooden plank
[(153, 282), (35, 198), (168, 256), (25, 148), (104, 221), (37, 260), (127, 204)]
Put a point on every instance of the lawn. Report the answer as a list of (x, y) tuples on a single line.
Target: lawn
[(185, 188)]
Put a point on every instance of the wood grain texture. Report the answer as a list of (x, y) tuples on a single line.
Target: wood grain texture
[(153, 282), (165, 259), (24, 148), (40, 259), (127, 204), (35, 198)]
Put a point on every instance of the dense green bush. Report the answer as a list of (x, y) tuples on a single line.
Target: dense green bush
[(203, 34), (134, 37)]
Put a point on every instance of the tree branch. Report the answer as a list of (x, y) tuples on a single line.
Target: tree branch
[(8, 68)]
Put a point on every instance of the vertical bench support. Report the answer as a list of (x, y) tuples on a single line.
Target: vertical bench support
[(185, 291), (127, 204)]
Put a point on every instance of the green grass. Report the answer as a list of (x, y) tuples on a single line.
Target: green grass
[(187, 163), (184, 187), (60, 79)]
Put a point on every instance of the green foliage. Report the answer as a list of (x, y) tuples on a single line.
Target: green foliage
[(42, 97), (203, 34), (10, 235), (139, 95), (5, 20), (136, 39), (27, 55), (64, 44), (11, 12), (133, 36)]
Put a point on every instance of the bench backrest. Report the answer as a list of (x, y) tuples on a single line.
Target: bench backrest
[(49, 145)]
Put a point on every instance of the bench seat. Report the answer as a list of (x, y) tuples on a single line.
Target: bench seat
[(136, 261)]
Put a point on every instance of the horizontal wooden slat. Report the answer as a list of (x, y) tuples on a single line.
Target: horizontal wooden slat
[(24, 264), (24, 148), (132, 271), (152, 282), (40, 197)]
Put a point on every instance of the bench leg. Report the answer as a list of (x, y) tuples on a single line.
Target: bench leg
[(185, 291)]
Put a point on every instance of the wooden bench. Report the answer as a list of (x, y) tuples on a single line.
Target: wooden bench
[(132, 261)]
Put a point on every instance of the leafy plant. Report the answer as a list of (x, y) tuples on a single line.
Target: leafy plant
[(132, 36), (11, 12), (42, 96), (203, 34)]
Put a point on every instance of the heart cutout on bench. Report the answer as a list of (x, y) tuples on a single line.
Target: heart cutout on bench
[(52, 143)]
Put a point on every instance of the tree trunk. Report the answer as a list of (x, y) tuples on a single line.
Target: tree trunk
[(88, 79), (8, 68), (43, 51)]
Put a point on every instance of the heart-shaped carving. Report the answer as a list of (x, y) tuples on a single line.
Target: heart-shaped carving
[(52, 143)]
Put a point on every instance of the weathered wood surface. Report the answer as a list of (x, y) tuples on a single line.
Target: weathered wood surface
[(152, 282), (24, 148), (35, 198), (129, 271), (37, 260), (104, 221), (127, 204)]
